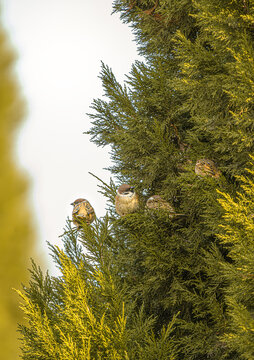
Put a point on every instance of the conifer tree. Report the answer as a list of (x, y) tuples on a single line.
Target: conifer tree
[(189, 99), (16, 231)]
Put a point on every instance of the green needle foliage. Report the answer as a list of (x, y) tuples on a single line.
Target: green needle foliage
[(157, 286)]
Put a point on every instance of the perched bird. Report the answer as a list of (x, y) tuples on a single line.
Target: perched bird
[(82, 212), (205, 167), (156, 202), (126, 200)]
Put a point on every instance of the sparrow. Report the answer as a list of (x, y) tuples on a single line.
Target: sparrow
[(126, 200), (156, 202), (82, 212), (205, 167)]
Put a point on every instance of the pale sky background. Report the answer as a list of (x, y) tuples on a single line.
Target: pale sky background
[(60, 45)]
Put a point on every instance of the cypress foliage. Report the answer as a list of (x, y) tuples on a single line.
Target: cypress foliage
[(16, 231), (87, 312), (237, 236), (190, 99)]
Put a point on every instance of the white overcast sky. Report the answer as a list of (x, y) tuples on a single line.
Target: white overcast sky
[(60, 45)]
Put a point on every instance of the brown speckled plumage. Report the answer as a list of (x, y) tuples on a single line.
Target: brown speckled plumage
[(206, 167), (156, 202), (82, 212), (126, 200)]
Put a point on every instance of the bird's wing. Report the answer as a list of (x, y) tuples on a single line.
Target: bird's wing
[(89, 209), (210, 169), (76, 209)]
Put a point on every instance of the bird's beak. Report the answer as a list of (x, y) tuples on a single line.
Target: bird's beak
[(72, 203)]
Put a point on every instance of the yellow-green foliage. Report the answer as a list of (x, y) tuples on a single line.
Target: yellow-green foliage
[(87, 313), (79, 330), (15, 226), (238, 237)]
